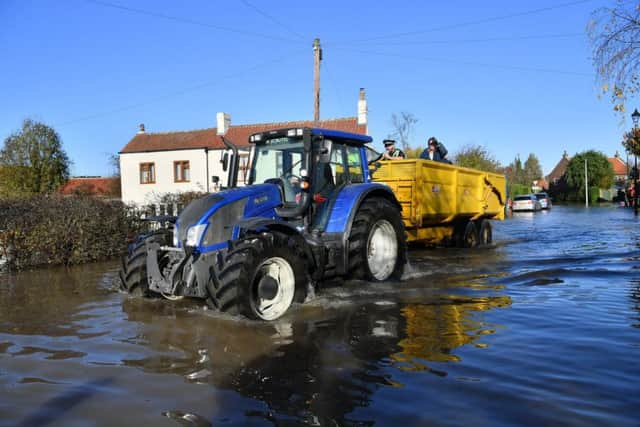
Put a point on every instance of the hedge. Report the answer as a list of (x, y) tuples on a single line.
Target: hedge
[(50, 230)]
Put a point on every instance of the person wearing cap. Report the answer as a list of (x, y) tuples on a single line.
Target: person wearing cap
[(391, 152), (435, 151)]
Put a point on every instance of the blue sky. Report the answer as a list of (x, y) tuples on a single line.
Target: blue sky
[(515, 77)]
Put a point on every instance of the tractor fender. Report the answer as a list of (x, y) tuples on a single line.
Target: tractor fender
[(262, 224), (349, 200), (346, 206)]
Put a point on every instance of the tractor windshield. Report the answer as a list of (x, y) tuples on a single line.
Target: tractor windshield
[(280, 159)]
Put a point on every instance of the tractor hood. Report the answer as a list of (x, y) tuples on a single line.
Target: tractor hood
[(209, 221)]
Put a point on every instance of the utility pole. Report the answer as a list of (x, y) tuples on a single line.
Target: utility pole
[(317, 57)]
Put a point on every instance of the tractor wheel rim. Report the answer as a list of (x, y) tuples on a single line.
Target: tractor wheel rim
[(382, 250), (282, 274)]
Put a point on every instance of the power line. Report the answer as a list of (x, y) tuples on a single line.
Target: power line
[(271, 18), (182, 91), (470, 23), (187, 21), (490, 39), (480, 64)]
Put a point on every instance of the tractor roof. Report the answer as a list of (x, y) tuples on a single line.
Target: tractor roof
[(346, 137)]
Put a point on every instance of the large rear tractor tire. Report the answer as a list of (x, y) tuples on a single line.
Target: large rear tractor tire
[(377, 242), (133, 273), (259, 276)]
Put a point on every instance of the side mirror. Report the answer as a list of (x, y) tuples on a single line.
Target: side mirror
[(325, 151), (225, 161), (215, 179)]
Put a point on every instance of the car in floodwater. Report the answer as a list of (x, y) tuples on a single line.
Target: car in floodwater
[(544, 199), (527, 202)]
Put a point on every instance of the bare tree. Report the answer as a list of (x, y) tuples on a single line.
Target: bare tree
[(403, 128), (615, 39)]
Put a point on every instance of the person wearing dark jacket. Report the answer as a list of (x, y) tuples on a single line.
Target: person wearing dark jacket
[(435, 151)]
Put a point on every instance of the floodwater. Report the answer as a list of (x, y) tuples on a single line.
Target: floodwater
[(542, 329)]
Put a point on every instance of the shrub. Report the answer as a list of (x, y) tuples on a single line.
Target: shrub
[(519, 189), (48, 230), (171, 203)]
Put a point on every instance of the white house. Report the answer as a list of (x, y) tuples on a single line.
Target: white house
[(153, 164)]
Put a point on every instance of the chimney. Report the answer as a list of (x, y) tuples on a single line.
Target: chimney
[(141, 128), (362, 109)]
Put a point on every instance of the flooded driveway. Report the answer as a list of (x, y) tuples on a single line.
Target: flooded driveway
[(542, 329)]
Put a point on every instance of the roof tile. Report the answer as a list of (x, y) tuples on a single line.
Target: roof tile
[(207, 138)]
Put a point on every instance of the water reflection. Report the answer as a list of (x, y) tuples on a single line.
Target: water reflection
[(433, 332), (634, 294), (316, 370)]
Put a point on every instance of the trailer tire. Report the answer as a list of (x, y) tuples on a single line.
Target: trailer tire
[(133, 272), (377, 242), (259, 276), (485, 233), (470, 237)]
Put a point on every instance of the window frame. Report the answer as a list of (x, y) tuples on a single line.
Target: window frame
[(182, 169), (150, 168)]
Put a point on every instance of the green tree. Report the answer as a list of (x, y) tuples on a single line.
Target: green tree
[(414, 153), (631, 141), (532, 170), (515, 173), (476, 157), (403, 128), (114, 161), (599, 172), (614, 33), (33, 161)]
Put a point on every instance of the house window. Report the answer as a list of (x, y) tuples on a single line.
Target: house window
[(147, 173), (181, 171)]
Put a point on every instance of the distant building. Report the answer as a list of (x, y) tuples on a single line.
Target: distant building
[(153, 164), (620, 168), (559, 170), (620, 173), (92, 186)]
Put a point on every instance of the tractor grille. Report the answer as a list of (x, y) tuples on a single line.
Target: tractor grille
[(221, 223), (193, 212)]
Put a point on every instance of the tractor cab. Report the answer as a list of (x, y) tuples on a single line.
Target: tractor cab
[(310, 167)]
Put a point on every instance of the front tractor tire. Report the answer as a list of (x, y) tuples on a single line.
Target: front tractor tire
[(133, 272), (259, 277), (377, 242)]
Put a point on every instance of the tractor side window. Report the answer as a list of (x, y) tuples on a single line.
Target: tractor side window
[(338, 168), (354, 161)]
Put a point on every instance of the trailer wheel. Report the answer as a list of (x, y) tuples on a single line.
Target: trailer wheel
[(258, 277), (377, 243), (133, 272), (470, 237), (485, 235)]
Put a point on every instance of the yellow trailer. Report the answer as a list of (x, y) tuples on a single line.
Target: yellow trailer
[(443, 203)]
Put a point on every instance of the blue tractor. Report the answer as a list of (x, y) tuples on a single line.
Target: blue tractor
[(309, 213)]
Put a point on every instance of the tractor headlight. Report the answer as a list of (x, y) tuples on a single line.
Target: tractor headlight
[(194, 234)]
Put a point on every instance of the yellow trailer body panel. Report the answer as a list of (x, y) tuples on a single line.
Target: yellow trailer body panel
[(436, 196)]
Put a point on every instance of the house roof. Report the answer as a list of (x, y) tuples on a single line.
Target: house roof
[(95, 186), (618, 165), (559, 170), (239, 135)]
